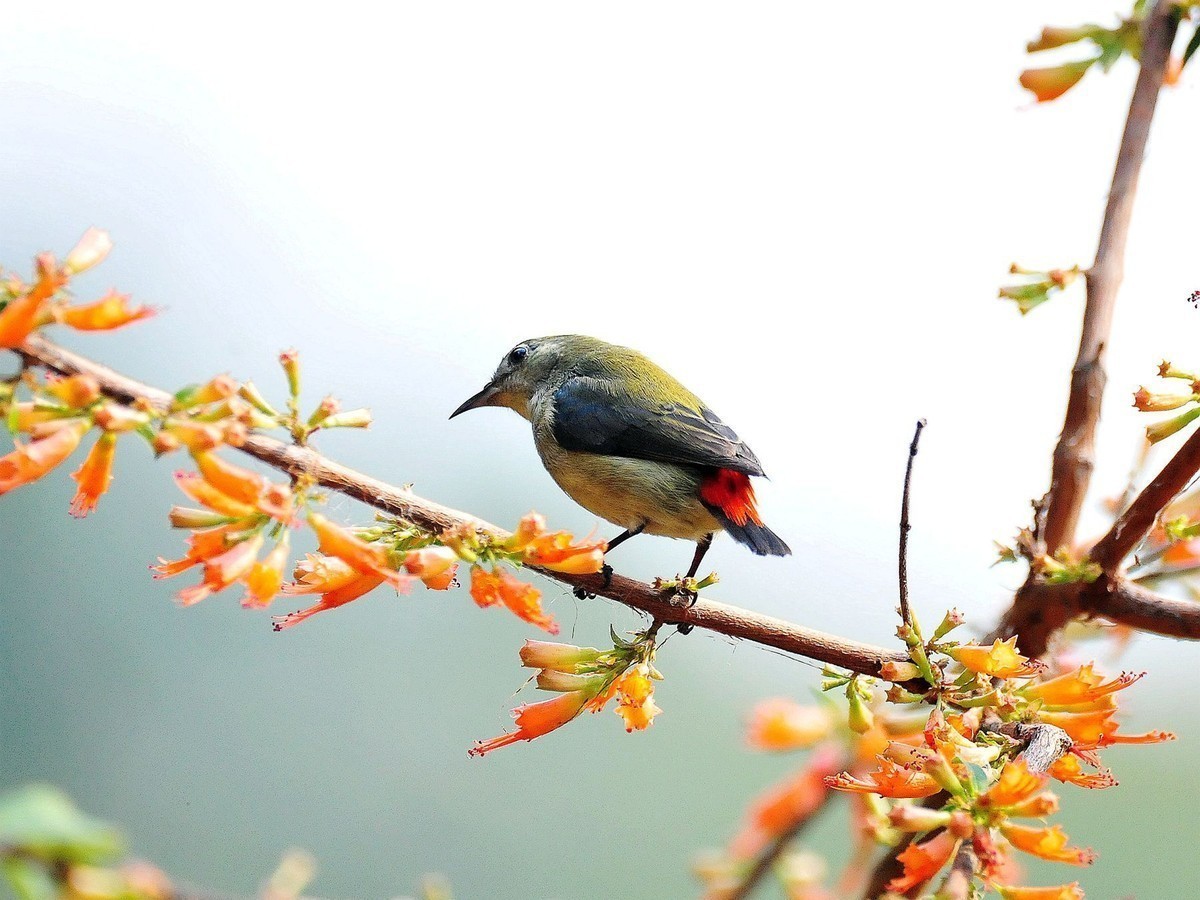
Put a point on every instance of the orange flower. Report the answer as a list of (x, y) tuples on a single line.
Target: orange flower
[(95, 475), (265, 578), (1001, 660), (91, 250), (1067, 768), (356, 587), (1048, 843), (788, 803), (20, 316), (224, 569), (233, 481), (435, 566), (556, 550), (364, 558), (535, 719), (111, 311), (29, 462), (636, 706), (923, 861), (891, 780), (524, 600), (1016, 784), (782, 724), (194, 485), (77, 391), (1070, 891), (317, 574), (1051, 83), (1081, 686)]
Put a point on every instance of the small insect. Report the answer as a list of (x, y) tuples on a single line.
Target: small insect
[(1194, 298)]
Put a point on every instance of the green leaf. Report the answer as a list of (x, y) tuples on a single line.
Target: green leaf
[(41, 820), (979, 778), (1193, 46)]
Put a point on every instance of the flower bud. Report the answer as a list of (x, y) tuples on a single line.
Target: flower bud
[(1150, 402), (251, 394), (560, 657), (351, 418), (1162, 430), (917, 818), (1051, 83), (90, 251), (290, 360), (861, 718), (899, 671)]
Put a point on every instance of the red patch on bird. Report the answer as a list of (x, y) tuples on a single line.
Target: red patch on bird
[(731, 492)]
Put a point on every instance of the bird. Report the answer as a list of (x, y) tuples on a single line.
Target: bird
[(632, 445)]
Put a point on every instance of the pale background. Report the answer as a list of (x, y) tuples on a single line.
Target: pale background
[(802, 210)]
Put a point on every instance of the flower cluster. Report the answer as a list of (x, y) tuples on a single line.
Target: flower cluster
[(26, 307), (964, 775), (585, 678), (1109, 45), (1037, 287), (1149, 401)]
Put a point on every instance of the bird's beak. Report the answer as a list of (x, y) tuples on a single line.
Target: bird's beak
[(483, 398)]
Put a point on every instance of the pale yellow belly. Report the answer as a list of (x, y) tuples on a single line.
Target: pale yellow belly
[(632, 492)]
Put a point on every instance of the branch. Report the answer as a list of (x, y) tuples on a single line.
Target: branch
[(1072, 466), (1135, 523), (905, 526), (719, 617)]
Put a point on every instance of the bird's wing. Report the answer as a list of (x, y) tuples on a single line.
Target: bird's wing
[(590, 417)]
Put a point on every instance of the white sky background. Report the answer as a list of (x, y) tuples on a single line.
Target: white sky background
[(803, 211)]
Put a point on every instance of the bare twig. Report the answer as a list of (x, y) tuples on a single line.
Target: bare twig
[(719, 617), (905, 615), (962, 872), (1072, 466)]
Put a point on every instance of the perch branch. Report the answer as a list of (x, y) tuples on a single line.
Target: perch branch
[(905, 527), (719, 617)]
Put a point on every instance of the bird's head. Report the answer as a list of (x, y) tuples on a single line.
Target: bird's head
[(527, 368)]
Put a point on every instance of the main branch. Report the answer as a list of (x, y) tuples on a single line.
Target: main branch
[(403, 504), (1073, 457)]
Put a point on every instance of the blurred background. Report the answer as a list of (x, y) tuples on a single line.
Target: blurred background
[(801, 211)]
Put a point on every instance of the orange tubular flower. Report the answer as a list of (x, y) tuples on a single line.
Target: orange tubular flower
[(111, 311), (364, 558), (636, 706), (224, 569), (356, 587), (782, 724), (1015, 785), (266, 577), (95, 475), (1048, 843), (1081, 686), (556, 550), (523, 600), (1070, 891), (20, 316), (194, 485), (923, 861), (29, 462), (557, 657), (234, 482), (1051, 83), (1001, 660), (202, 545), (317, 574), (77, 391), (891, 780), (1067, 768), (784, 805), (535, 719)]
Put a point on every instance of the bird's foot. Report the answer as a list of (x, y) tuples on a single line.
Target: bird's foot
[(607, 571), (583, 594)]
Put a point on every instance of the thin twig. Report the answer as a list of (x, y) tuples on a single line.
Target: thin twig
[(719, 617), (905, 614), (1073, 456)]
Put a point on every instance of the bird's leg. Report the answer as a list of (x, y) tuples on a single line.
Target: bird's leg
[(685, 588), (606, 570)]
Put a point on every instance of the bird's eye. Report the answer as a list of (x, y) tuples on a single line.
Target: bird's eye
[(517, 354)]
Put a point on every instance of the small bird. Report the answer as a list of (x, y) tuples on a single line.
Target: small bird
[(631, 444)]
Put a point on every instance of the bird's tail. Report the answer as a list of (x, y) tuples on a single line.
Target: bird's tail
[(729, 496)]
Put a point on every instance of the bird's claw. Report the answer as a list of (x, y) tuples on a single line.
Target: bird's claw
[(607, 571), (583, 594)]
